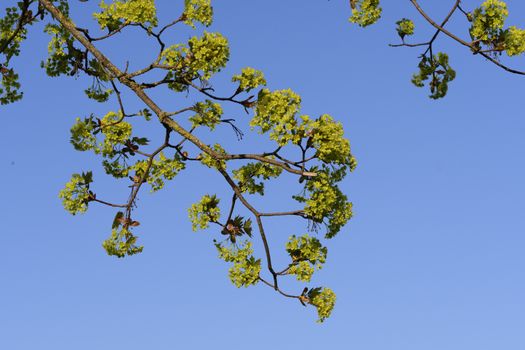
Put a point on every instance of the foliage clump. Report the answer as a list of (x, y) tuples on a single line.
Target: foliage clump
[(325, 202), (121, 243), (117, 144), (247, 174), (249, 79), (201, 57), (10, 40), (208, 114), (405, 27), (159, 170), (76, 195), (203, 212), (210, 161), (245, 269), (324, 300), (116, 132), (514, 41), (198, 11), (307, 253), (487, 30), (118, 13), (437, 70), (365, 12), (327, 136), (61, 51), (275, 112), (488, 20), (82, 134), (9, 90), (208, 54)]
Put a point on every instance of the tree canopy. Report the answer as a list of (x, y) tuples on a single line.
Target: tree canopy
[(312, 149)]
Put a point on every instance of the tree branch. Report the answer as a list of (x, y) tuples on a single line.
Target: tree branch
[(470, 45)]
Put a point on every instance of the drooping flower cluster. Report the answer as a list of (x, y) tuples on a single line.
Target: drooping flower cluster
[(245, 269), (325, 203), (121, 243), (324, 300), (76, 196), (437, 70), (203, 212), (276, 112), (247, 174), (307, 254), (208, 114)]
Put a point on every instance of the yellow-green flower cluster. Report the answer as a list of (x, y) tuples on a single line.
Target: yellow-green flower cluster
[(366, 12), (438, 70), (246, 269), (114, 146), (324, 300), (208, 114), (60, 49), (302, 270), (121, 243), (249, 79), (514, 41), (405, 27), (246, 176), (177, 58), (307, 253), (198, 11), (82, 137), (204, 211), (488, 20), (75, 195), (211, 162), (129, 11), (326, 201), (174, 56), (209, 53), (161, 169), (327, 137), (275, 112), (116, 132)]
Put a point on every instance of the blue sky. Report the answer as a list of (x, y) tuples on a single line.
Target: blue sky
[(433, 258)]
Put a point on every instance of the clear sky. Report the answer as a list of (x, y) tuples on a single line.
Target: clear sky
[(432, 260)]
